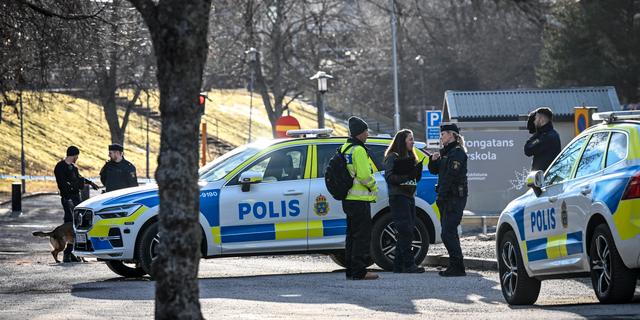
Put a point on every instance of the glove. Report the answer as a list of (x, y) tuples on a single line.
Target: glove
[(530, 125)]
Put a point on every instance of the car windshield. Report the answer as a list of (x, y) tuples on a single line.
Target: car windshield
[(224, 164)]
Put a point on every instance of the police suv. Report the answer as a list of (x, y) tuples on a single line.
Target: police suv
[(261, 198), (580, 218)]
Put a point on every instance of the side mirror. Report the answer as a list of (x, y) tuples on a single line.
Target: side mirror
[(248, 178), (534, 181)]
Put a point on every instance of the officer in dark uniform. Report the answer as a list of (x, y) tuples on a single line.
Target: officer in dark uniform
[(70, 182), (450, 164), (544, 144), (118, 173)]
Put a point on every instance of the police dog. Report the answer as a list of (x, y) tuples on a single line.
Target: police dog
[(59, 238)]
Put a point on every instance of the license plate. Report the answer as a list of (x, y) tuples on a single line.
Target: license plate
[(81, 238)]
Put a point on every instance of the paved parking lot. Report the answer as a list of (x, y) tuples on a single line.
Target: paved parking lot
[(305, 286)]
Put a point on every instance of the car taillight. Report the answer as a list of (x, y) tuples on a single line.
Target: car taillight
[(633, 188)]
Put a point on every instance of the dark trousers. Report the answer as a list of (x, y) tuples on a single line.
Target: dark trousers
[(451, 210), (403, 209), (68, 203), (358, 239)]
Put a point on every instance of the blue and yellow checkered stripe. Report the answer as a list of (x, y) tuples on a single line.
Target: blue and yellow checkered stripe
[(554, 247), (280, 231)]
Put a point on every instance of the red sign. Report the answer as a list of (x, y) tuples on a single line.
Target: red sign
[(286, 123)]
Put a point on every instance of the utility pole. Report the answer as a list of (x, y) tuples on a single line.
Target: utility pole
[(396, 114)]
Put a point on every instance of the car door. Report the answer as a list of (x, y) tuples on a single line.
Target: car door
[(272, 215), (542, 214)]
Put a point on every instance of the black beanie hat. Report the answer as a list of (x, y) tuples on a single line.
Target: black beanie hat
[(546, 111), (450, 127), (73, 151), (356, 126), (116, 147)]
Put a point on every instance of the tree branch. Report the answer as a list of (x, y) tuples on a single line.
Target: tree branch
[(149, 12), (50, 13)]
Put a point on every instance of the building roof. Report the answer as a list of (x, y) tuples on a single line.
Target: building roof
[(511, 104)]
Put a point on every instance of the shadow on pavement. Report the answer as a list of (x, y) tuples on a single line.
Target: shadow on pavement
[(392, 293)]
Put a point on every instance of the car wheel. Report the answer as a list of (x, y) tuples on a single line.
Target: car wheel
[(147, 247), (384, 237), (612, 281), (339, 259), (517, 287), (123, 269)]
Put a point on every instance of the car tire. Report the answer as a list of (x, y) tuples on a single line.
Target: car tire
[(517, 287), (612, 281), (383, 241), (339, 259), (147, 246), (120, 268)]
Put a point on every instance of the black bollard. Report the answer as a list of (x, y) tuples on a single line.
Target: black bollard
[(16, 198), (84, 195)]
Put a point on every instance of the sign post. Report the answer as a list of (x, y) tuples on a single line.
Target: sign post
[(582, 118), (434, 119)]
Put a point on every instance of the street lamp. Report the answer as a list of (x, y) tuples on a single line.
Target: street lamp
[(252, 55), (322, 77), (420, 61)]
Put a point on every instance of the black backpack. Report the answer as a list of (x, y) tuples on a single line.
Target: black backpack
[(337, 177)]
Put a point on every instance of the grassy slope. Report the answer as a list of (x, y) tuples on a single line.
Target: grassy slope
[(63, 120)]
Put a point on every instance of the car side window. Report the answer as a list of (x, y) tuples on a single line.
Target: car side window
[(376, 152), (279, 165), (325, 153), (591, 161), (560, 170), (617, 148)]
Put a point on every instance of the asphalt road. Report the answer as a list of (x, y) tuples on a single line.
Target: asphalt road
[(304, 286)]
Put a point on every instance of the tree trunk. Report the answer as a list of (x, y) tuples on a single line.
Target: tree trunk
[(179, 34)]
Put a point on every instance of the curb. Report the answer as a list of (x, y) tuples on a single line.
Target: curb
[(30, 195), (471, 263)]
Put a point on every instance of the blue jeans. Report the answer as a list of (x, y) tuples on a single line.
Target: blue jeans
[(403, 209)]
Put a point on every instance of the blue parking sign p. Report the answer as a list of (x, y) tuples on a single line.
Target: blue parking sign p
[(434, 118)]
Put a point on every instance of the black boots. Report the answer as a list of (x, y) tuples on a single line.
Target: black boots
[(455, 268)]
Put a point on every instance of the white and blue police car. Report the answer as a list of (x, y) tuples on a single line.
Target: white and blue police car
[(581, 218), (261, 198)]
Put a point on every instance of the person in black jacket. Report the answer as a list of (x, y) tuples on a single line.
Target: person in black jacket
[(450, 164), (70, 183), (402, 173), (544, 144), (118, 173)]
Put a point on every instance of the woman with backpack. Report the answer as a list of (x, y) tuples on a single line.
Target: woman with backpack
[(402, 173)]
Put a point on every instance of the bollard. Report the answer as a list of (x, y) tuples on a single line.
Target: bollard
[(484, 225), (84, 194), (16, 198)]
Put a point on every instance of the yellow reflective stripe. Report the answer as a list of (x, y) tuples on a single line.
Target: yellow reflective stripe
[(436, 210), (308, 165), (101, 228), (314, 162), (215, 232), (316, 229), (557, 246), (627, 218), (365, 193), (366, 181), (524, 250), (291, 230)]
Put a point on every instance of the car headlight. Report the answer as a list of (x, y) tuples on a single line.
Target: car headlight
[(118, 211)]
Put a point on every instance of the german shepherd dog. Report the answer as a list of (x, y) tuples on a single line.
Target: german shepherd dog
[(59, 238)]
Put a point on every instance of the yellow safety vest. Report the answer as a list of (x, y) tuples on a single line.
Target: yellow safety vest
[(364, 184)]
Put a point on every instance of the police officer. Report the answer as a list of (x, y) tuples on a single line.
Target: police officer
[(70, 182), (544, 144), (118, 173), (357, 205), (450, 164)]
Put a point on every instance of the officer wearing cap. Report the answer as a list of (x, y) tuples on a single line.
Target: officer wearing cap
[(118, 173), (450, 164), (70, 182), (544, 144)]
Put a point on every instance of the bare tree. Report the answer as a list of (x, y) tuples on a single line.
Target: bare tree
[(179, 35)]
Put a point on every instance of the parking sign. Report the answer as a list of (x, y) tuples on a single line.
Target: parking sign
[(434, 118)]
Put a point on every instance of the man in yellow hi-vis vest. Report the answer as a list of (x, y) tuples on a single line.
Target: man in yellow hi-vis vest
[(357, 205)]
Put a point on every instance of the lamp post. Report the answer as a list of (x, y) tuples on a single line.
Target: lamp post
[(420, 61), (396, 114), (322, 77), (252, 55)]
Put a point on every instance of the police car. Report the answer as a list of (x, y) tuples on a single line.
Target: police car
[(581, 218), (261, 198)]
